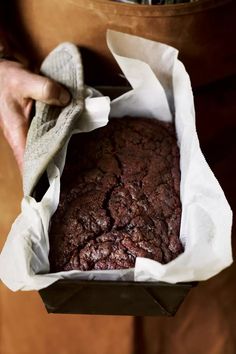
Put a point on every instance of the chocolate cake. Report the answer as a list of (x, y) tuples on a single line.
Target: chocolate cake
[(119, 197)]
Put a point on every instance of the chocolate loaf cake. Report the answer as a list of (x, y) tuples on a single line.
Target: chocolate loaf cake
[(119, 197)]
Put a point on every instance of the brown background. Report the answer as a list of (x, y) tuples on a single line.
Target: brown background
[(207, 319)]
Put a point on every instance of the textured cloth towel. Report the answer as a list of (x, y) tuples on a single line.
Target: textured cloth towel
[(52, 125)]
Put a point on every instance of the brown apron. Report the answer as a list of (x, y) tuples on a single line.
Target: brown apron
[(202, 31)]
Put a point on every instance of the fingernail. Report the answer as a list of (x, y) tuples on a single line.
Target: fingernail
[(64, 97)]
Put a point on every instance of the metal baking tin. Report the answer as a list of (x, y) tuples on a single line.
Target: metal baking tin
[(114, 297)]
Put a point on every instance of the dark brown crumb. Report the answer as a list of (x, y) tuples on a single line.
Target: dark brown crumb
[(119, 198)]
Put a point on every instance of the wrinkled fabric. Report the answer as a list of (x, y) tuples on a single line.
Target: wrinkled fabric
[(51, 125)]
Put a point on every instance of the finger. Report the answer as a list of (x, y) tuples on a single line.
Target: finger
[(19, 149), (16, 137), (27, 108), (44, 89)]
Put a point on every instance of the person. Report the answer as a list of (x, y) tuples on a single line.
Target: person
[(18, 88), (205, 322)]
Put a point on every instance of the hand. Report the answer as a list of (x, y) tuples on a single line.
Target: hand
[(18, 89)]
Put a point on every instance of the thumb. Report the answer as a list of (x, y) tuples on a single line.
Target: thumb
[(43, 89)]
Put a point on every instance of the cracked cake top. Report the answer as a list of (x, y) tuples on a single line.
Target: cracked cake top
[(119, 197)]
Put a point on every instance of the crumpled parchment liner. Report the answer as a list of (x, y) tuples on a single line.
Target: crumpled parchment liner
[(161, 89)]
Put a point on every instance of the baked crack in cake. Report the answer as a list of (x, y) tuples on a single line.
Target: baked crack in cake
[(120, 198)]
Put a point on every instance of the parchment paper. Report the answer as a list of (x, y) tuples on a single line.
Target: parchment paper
[(162, 90)]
